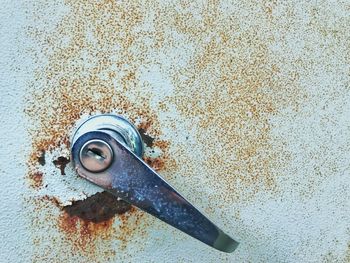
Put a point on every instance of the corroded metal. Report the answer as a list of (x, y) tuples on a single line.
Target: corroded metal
[(134, 181)]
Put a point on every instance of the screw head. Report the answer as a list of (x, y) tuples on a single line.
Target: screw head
[(96, 155)]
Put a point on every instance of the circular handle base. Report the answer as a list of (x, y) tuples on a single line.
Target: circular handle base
[(117, 126)]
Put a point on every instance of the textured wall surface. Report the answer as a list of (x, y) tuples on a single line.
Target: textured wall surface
[(244, 107)]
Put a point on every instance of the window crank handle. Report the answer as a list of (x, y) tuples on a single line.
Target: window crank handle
[(105, 151)]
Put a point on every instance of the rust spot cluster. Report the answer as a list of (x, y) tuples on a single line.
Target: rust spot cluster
[(82, 234), (71, 89), (37, 180), (92, 237), (230, 90), (84, 76), (225, 94), (87, 221)]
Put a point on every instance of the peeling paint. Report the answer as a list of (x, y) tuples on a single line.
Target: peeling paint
[(86, 222), (61, 163)]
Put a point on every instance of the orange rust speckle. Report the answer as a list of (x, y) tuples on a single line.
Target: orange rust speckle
[(94, 241), (128, 229), (86, 222), (231, 89), (156, 163), (97, 208), (34, 176), (83, 234), (36, 180)]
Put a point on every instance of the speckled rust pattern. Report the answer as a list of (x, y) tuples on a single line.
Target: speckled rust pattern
[(81, 237), (96, 83), (77, 83), (95, 55), (224, 82)]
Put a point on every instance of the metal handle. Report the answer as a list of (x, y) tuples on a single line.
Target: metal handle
[(105, 159)]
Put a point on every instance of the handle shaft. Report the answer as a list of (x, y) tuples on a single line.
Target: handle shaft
[(134, 181)]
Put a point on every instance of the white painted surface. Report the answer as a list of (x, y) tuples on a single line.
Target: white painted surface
[(306, 220)]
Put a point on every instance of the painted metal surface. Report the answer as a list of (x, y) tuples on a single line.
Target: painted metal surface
[(244, 107)]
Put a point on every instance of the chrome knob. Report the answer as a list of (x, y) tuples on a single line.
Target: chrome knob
[(107, 150)]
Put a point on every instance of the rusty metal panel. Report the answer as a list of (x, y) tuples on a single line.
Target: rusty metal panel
[(243, 105)]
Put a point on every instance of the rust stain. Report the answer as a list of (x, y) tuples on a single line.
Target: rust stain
[(93, 238), (35, 177), (83, 234), (67, 94), (156, 163), (61, 163), (97, 208), (86, 222), (70, 89), (228, 91), (84, 229), (36, 180)]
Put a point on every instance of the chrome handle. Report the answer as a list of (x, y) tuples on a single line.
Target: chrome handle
[(103, 156)]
